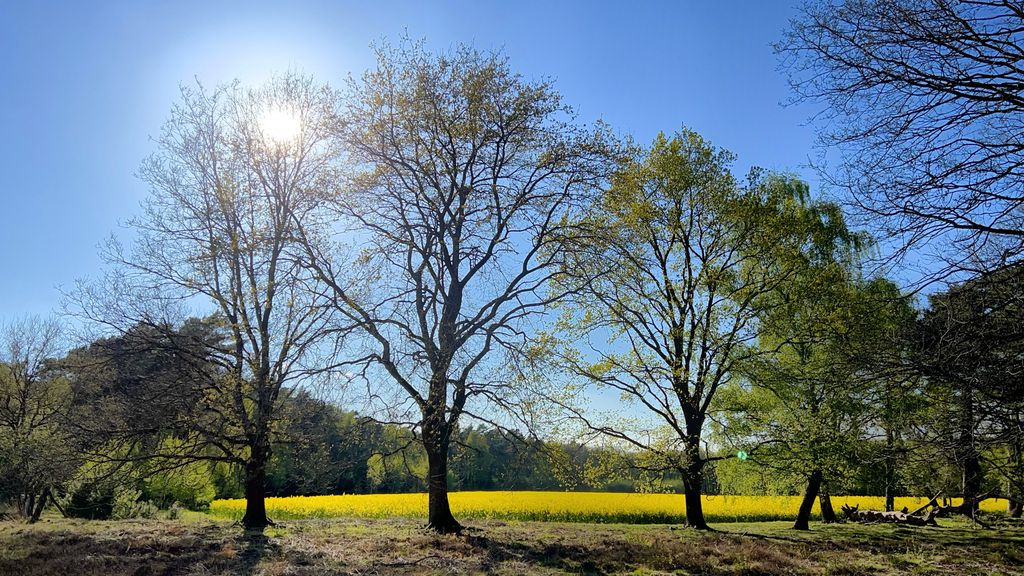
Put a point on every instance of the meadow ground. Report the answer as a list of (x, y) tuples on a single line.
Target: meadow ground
[(203, 545)]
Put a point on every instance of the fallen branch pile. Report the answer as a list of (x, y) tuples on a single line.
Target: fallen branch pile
[(916, 518), (923, 516)]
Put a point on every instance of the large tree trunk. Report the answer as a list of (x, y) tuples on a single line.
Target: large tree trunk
[(890, 499), (970, 460), (693, 483), (693, 473), (26, 504), (256, 488), (828, 514), (37, 509), (972, 480), (439, 513), (803, 517), (1015, 508)]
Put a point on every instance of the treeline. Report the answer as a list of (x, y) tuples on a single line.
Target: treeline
[(91, 442), (927, 434)]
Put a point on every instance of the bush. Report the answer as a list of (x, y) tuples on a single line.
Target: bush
[(91, 501), (174, 512), (171, 480), (106, 502), (190, 485), (127, 505)]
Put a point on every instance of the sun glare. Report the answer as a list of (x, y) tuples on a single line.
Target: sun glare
[(280, 125)]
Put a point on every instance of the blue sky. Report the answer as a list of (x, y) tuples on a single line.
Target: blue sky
[(84, 85)]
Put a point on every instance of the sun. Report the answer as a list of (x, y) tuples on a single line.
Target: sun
[(280, 125)]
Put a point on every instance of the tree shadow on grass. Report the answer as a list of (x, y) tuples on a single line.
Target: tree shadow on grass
[(722, 552), (702, 552), (161, 550), (898, 539), (572, 558), (254, 547), (151, 549)]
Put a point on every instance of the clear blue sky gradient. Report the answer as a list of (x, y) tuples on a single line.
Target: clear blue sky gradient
[(83, 85)]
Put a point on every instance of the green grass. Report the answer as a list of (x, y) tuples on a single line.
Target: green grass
[(206, 546)]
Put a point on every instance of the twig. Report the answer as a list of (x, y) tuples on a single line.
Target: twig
[(411, 562), (934, 500)]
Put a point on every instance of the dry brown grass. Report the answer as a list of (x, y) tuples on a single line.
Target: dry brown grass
[(364, 547)]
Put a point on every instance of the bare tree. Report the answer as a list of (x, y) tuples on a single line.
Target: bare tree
[(236, 168), (924, 106), (35, 444), (462, 176)]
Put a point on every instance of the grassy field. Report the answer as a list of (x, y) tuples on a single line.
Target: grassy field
[(594, 507), (206, 546)]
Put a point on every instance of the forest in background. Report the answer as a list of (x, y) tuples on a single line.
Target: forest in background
[(904, 443)]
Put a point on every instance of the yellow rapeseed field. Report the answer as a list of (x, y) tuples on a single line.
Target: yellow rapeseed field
[(558, 506)]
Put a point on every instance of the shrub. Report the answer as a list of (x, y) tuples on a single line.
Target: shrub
[(174, 512), (127, 505)]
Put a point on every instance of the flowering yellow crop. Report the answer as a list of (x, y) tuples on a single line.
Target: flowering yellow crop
[(559, 506)]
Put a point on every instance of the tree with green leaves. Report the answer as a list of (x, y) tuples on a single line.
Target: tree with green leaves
[(807, 405), (322, 449), (878, 350), (672, 288)]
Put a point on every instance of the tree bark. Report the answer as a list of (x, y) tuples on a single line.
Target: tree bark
[(969, 457), (890, 471), (439, 513), (1015, 509), (256, 488), (693, 483), (37, 510), (26, 505), (828, 514), (972, 481), (803, 517)]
